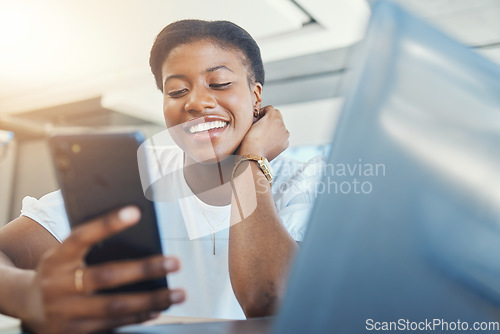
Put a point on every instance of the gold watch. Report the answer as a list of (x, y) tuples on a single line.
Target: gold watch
[(264, 165)]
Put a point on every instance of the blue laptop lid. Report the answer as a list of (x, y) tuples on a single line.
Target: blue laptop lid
[(406, 227)]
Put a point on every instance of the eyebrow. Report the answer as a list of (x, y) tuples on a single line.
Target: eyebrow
[(175, 76), (216, 68), (208, 70)]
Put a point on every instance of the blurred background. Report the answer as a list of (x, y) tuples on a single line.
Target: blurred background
[(84, 63)]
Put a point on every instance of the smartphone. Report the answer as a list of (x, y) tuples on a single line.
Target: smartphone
[(98, 173)]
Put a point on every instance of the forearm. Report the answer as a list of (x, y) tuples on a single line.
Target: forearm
[(14, 283), (260, 248)]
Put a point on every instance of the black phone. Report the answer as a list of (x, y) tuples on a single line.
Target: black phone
[(98, 173)]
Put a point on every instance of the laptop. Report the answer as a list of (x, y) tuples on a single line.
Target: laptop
[(405, 232)]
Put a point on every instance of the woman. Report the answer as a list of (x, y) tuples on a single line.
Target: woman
[(242, 232)]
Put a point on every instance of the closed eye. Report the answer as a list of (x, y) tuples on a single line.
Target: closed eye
[(177, 93), (220, 85)]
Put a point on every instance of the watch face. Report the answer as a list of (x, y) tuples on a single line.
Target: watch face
[(266, 168)]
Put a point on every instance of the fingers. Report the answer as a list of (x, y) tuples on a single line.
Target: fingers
[(279, 113), (270, 110), (119, 305), (265, 111), (69, 300), (89, 312), (267, 137), (83, 237), (94, 325), (115, 274)]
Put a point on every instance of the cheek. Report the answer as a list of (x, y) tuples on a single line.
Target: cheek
[(167, 117), (247, 118), (169, 113), (242, 107)]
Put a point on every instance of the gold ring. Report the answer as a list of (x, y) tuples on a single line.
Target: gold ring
[(79, 280)]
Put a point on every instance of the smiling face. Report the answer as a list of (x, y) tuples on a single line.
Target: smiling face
[(208, 102)]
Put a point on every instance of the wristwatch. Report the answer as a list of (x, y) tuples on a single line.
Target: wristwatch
[(264, 165)]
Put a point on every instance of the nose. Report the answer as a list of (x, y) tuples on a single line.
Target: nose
[(200, 99)]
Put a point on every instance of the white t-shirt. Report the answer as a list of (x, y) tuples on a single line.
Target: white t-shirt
[(186, 234)]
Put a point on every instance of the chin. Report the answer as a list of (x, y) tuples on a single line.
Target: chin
[(209, 155)]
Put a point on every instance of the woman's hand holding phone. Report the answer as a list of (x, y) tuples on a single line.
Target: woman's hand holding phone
[(62, 298), (267, 137)]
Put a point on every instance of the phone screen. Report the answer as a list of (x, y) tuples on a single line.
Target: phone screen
[(98, 173)]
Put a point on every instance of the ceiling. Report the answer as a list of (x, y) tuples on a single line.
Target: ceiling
[(473, 22), (57, 52)]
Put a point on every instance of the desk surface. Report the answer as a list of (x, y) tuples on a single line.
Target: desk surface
[(214, 326), (171, 324)]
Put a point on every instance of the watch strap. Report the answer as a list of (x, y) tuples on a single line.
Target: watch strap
[(261, 162)]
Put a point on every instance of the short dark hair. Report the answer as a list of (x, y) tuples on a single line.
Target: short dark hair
[(223, 33)]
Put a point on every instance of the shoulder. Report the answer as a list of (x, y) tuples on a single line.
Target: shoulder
[(163, 154), (293, 176), (49, 212), (283, 166), (294, 191), (160, 161), (163, 168)]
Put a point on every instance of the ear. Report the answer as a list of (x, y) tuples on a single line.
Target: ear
[(257, 95)]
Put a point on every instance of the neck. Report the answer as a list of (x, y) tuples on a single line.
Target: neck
[(210, 182)]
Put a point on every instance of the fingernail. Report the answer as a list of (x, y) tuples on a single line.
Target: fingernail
[(129, 214), (176, 296), (169, 264)]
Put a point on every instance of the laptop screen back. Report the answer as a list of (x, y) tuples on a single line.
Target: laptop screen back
[(406, 227)]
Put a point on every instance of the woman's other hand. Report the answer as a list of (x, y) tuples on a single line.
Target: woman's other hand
[(60, 301), (267, 137)]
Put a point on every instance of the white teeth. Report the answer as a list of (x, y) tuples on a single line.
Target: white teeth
[(207, 126)]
